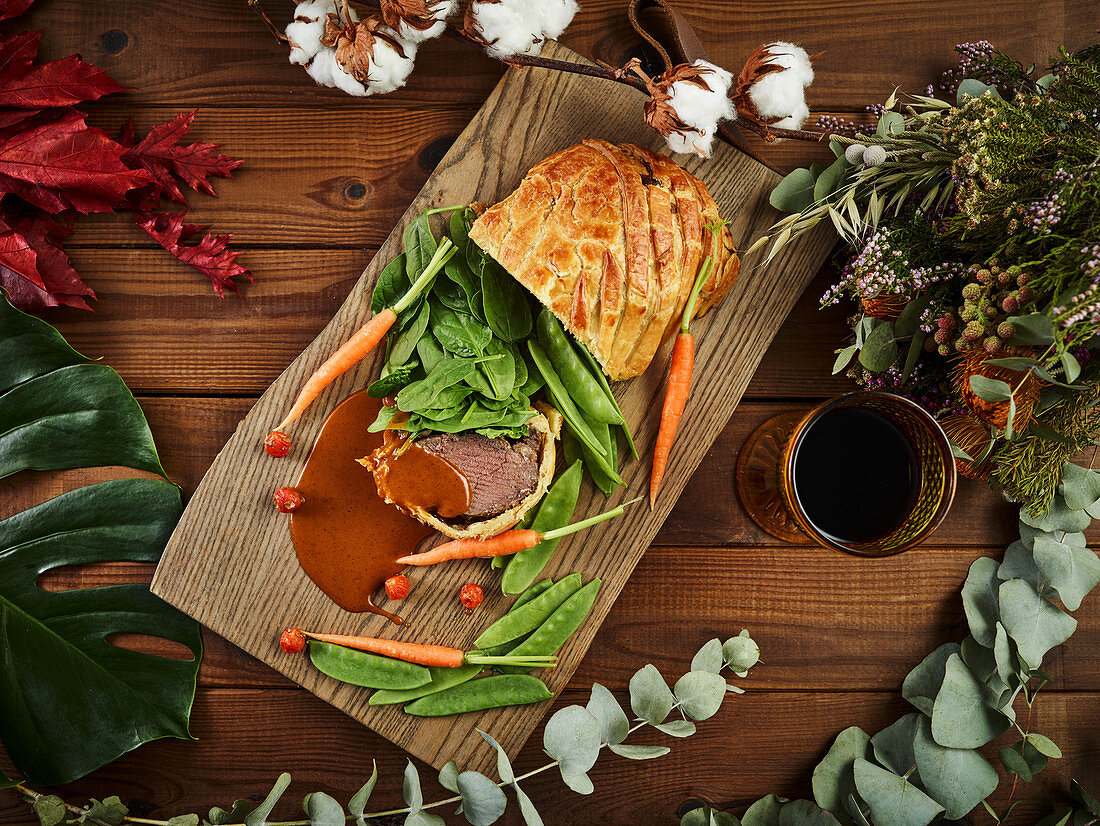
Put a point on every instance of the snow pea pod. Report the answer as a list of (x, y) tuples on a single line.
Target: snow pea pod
[(602, 432), (562, 401), (531, 593), (559, 627), (583, 387), (602, 379), (368, 670), (527, 618), (478, 695), (441, 679), (555, 511)]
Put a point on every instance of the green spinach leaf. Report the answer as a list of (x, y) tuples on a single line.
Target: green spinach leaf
[(506, 302)]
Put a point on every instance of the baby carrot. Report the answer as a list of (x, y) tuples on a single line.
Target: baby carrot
[(439, 656), (679, 384), (356, 348), (509, 542)]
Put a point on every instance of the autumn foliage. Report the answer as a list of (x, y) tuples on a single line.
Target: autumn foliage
[(54, 167)]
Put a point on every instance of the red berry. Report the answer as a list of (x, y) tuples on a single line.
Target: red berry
[(288, 500), (293, 641), (471, 596), (277, 444), (397, 587)]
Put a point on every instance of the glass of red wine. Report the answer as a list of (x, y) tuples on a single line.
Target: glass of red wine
[(869, 473)]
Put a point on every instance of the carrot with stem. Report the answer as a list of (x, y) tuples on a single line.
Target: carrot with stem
[(679, 376), (439, 656), (356, 348), (509, 542)]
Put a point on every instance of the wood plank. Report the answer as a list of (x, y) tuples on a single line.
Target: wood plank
[(759, 743), (230, 528), (159, 324), (833, 626), (220, 53), (337, 179), (340, 186)]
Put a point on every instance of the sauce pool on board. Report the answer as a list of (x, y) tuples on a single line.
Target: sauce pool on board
[(346, 537)]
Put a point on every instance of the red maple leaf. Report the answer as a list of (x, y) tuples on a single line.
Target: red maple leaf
[(58, 83), (13, 8), (34, 269), (159, 155), (209, 256), (66, 164)]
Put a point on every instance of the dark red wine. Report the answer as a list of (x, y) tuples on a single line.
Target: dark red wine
[(855, 476)]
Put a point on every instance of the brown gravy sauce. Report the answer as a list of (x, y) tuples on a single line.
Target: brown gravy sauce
[(345, 535), (412, 477)]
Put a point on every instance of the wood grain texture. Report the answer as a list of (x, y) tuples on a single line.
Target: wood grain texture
[(759, 743), (230, 562), (159, 324), (219, 53), (344, 177)]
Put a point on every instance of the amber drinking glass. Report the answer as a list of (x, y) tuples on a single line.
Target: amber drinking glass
[(869, 473)]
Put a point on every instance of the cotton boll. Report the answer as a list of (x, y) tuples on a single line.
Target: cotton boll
[(795, 119), (389, 69), (692, 142), (323, 66), (556, 16), (701, 108), (440, 10), (778, 94), (510, 27), (794, 59), (306, 29)]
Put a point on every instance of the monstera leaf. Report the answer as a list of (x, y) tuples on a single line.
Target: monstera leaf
[(72, 700)]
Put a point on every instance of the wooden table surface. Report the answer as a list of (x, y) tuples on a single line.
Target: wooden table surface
[(326, 176)]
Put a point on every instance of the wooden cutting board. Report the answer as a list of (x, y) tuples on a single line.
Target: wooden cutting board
[(230, 563)]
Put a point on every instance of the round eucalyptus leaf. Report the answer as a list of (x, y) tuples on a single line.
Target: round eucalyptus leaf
[(979, 598), (709, 657), (1060, 517), (650, 698), (483, 802), (422, 818), (764, 812), (448, 776), (961, 717), (880, 350), (1035, 625), (639, 752), (893, 746), (740, 653), (805, 813), (958, 779), (572, 737), (893, 800), (676, 728), (700, 694), (707, 816), (323, 810), (1071, 570), (602, 705), (832, 777), (922, 684), (795, 192), (579, 782)]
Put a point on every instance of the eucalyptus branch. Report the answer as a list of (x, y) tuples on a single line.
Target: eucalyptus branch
[(574, 736)]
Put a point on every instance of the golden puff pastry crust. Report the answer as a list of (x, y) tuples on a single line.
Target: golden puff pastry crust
[(611, 238)]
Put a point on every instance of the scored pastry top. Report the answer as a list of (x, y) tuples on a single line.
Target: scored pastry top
[(611, 238)]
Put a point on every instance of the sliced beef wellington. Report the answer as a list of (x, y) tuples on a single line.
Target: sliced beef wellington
[(503, 478), (611, 238)]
